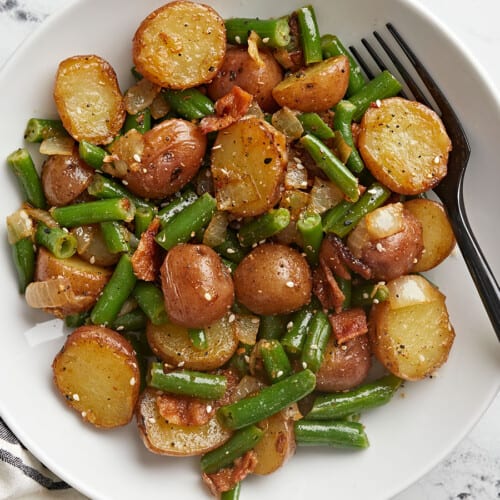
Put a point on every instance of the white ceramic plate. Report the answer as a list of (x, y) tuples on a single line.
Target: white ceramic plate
[(407, 437)]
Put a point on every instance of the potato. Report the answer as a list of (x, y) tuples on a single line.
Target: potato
[(404, 145), (171, 343), (88, 99), (197, 286), (316, 88), (273, 279), (344, 366), (64, 178), (97, 374), (248, 167), (163, 160), (437, 234), (180, 45), (241, 70), (277, 444), (85, 280), (410, 333)]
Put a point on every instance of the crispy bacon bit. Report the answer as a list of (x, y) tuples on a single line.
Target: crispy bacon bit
[(228, 109), (326, 288), (348, 324), (334, 246), (146, 260), (227, 478), (184, 410)]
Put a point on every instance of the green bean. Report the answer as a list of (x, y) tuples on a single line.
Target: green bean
[(179, 203), (264, 226), (116, 236), (187, 383), (318, 333), (190, 104), (274, 33), (309, 35), (232, 494), (315, 125), (240, 442), (310, 227), (23, 254), (342, 404), (141, 121), (342, 122), (92, 155), (75, 320), (368, 294), (336, 433), (294, 338), (382, 86), (334, 169), (231, 249), (332, 46), (268, 401), (276, 362), (272, 327), (143, 218), (187, 222), (229, 264), (198, 338), (334, 214), (151, 301), (133, 321), (39, 129), (22, 165), (240, 358), (345, 286), (371, 199), (58, 241), (115, 293)]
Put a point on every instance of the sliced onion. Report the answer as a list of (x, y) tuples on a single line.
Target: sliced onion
[(324, 195), (246, 327), (19, 226), (159, 107), (52, 293), (41, 216), (358, 239), (57, 145), (140, 96), (286, 121), (91, 247), (410, 290), (253, 48), (295, 176), (385, 221), (247, 385), (126, 152), (215, 233)]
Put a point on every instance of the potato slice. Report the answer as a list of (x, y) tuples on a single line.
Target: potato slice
[(180, 45), (88, 99), (316, 88), (438, 238), (411, 341), (171, 343), (248, 167), (165, 438), (404, 145), (97, 374)]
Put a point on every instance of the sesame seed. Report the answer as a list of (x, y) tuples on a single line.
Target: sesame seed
[(279, 373), (137, 158), (132, 381), (379, 247), (378, 103), (289, 326), (265, 40), (237, 39), (76, 397), (304, 365), (152, 420), (92, 259), (290, 284), (208, 296), (232, 317), (180, 364), (209, 408)]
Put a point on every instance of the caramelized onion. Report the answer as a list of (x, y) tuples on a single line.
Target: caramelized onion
[(140, 96), (246, 327), (19, 226), (385, 221), (216, 231), (57, 145), (51, 293)]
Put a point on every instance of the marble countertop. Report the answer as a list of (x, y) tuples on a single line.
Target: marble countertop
[(472, 470)]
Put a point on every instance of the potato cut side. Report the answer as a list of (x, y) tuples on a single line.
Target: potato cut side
[(97, 374), (404, 145), (248, 166), (164, 438), (437, 234), (88, 99), (180, 45), (172, 344), (413, 341), (316, 88)]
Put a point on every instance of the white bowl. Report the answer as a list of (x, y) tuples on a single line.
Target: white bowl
[(407, 437)]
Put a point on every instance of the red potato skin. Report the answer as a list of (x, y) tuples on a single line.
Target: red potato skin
[(197, 286)]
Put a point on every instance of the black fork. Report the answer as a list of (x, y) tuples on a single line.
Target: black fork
[(450, 190)]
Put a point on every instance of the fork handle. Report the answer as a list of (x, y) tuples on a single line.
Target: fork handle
[(481, 273)]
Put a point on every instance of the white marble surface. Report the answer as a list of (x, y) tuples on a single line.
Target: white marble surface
[(472, 470)]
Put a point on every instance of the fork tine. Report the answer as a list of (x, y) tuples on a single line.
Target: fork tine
[(369, 73), (378, 60)]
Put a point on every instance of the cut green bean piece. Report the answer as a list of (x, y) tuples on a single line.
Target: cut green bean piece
[(334, 169), (276, 362), (93, 212), (272, 326), (345, 286), (264, 226), (231, 248), (274, 33), (232, 494), (240, 442), (115, 293), (116, 236), (198, 338), (39, 129), (332, 216), (382, 86), (58, 241), (22, 165), (295, 337), (368, 294), (152, 302), (23, 254), (268, 401), (187, 383), (342, 404), (332, 46), (336, 433), (318, 333), (190, 104), (315, 125), (176, 205), (371, 199), (75, 320), (310, 227), (92, 155), (143, 218), (309, 35), (141, 121), (133, 321), (186, 223)]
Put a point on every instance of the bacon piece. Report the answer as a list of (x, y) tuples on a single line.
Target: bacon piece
[(227, 478), (228, 110), (348, 324), (330, 256), (334, 245), (146, 260), (326, 288)]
